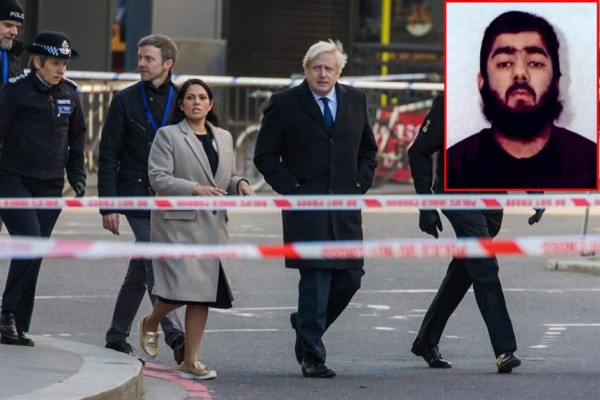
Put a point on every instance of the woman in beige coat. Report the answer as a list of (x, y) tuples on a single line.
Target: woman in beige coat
[(193, 157)]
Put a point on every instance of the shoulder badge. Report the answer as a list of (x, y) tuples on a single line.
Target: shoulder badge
[(17, 78)]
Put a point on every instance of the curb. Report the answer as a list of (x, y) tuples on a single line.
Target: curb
[(587, 266), (104, 374)]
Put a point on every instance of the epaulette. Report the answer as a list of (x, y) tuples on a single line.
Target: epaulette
[(17, 78), (70, 82)]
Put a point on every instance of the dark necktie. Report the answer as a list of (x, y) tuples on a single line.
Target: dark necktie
[(327, 112)]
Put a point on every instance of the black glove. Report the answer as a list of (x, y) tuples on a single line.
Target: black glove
[(79, 189), (537, 216), (430, 222)]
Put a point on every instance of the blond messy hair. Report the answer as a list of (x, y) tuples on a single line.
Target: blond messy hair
[(326, 47)]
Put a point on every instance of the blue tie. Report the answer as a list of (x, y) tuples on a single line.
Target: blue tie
[(327, 112)]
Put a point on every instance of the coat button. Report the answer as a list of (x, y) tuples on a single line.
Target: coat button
[(214, 212), (331, 141), (330, 191), (140, 180)]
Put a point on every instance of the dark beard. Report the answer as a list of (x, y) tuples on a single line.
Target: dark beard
[(521, 122)]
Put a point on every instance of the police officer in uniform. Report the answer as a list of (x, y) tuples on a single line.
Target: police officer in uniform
[(482, 273), (11, 50), (42, 134)]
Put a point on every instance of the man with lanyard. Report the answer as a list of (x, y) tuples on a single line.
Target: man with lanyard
[(134, 116), (11, 19)]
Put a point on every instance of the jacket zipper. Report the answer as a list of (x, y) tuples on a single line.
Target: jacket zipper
[(133, 121)]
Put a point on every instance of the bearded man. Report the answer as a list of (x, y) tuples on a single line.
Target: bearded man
[(519, 86)]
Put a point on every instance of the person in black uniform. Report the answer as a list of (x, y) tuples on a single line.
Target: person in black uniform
[(42, 131), (134, 116), (519, 86), (11, 50), (482, 273)]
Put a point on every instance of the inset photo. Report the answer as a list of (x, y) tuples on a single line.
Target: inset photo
[(521, 96)]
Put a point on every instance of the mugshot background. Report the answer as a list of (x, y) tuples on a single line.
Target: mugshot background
[(575, 25)]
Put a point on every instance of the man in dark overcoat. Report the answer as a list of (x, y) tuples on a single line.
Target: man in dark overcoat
[(316, 139)]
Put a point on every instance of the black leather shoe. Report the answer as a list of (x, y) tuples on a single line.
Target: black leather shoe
[(431, 354), (8, 326), (179, 349), (506, 362), (298, 344), (21, 340), (320, 370), (122, 347)]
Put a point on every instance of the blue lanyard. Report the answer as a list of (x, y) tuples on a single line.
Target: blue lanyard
[(149, 114), (4, 67)]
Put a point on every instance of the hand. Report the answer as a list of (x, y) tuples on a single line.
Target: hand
[(79, 189), (244, 188), (111, 222), (208, 191), (430, 222), (537, 216)]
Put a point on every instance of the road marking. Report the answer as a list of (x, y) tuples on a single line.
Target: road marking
[(351, 305), (529, 290), (378, 307), (555, 330), (194, 389)]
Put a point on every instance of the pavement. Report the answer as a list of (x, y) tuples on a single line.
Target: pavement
[(57, 369), (63, 369)]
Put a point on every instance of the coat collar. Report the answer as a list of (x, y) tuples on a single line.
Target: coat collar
[(308, 102), (199, 150)]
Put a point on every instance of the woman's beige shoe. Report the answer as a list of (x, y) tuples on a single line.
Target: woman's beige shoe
[(148, 340), (200, 373)]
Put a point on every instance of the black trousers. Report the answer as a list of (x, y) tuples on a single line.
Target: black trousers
[(139, 279), (482, 273), (323, 294), (19, 292)]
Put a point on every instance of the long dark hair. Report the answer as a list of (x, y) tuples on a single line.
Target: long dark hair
[(177, 115)]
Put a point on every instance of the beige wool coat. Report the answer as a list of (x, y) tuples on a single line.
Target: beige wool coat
[(177, 162)]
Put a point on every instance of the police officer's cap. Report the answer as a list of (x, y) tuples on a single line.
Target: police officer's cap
[(53, 44), (11, 10)]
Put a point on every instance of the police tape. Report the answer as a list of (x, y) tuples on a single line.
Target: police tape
[(277, 83), (28, 247), (311, 202)]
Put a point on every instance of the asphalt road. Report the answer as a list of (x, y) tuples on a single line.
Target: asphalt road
[(555, 316)]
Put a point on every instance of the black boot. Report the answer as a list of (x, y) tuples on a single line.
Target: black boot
[(431, 354), (21, 340), (8, 326)]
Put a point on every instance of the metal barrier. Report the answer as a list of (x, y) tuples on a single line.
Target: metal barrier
[(236, 102)]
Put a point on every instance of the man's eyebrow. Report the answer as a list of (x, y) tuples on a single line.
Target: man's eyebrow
[(512, 50)]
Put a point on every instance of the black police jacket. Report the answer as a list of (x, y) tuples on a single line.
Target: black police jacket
[(127, 137), (429, 141), (42, 130), (15, 60)]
